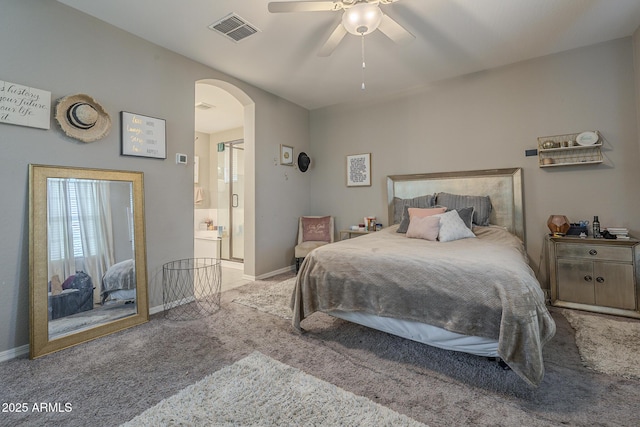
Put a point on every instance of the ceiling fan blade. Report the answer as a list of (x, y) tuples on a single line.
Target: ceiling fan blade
[(332, 42), (303, 6), (395, 31)]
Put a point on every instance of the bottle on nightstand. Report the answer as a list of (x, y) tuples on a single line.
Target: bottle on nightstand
[(596, 227)]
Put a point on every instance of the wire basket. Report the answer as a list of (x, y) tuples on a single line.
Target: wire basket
[(191, 288)]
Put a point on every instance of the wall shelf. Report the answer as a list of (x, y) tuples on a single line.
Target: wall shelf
[(566, 152)]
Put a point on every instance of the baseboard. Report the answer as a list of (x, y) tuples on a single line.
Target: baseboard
[(232, 264), (12, 353), (273, 273)]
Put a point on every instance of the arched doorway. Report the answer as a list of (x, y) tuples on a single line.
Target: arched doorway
[(225, 123)]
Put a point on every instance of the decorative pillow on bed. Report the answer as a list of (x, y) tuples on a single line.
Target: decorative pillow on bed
[(316, 229), (424, 227), (422, 212), (481, 205), (425, 201), (452, 227), (466, 214)]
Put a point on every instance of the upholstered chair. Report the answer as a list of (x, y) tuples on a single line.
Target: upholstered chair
[(313, 232)]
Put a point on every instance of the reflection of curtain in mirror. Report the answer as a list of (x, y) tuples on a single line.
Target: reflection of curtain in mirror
[(80, 230)]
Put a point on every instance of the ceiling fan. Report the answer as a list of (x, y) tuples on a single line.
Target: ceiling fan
[(360, 18)]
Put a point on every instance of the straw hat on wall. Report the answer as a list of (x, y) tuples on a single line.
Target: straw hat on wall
[(81, 117)]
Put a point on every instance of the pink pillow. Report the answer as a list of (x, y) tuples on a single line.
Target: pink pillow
[(316, 229), (422, 212), (426, 227)]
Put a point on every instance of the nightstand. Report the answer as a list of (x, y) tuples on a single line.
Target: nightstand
[(599, 275), (350, 233)]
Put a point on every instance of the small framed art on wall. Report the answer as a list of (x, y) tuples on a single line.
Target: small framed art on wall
[(286, 155), (359, 170)]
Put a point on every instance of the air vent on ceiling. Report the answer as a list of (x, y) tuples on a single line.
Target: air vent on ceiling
[(204, 106), (233, 27)]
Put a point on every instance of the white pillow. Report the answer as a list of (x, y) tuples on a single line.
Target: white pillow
[(425, 227), (452, 227)]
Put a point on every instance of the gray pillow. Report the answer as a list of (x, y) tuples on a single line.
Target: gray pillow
[(481, 205), (404, 224), (466, 214), (426, 201)]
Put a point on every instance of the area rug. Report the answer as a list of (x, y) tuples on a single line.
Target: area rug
[(272, 298), (607, 344), (258, 390)]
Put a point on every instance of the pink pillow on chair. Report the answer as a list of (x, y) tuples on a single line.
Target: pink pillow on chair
[(316, 229)]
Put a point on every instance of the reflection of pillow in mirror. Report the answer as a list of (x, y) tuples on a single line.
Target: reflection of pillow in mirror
[(425, 227), (56, 286), (452, 227), (68, 282), (409, 212)]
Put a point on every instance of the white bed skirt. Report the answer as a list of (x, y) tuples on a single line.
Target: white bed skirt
[(122, 294), (423, 333)]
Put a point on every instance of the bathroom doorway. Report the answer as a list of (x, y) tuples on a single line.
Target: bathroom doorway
[(231, 183), (219, 175)]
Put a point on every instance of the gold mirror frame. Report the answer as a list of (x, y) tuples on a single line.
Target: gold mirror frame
[(40, 342)]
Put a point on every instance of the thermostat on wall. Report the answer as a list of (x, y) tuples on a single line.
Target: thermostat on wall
[(181, 159)]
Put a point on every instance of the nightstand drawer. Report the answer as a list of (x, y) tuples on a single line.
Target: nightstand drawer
[(594, 252)]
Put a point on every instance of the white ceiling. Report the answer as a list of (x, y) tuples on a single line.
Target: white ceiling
[(453, 38)]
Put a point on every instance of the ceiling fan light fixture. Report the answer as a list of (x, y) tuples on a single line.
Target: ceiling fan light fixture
[(362, 18)]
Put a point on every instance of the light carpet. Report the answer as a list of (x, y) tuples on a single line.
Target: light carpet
[(259, 390), (607, 344), (273, 298)]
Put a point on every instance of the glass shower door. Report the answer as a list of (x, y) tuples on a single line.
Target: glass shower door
[(231, 200), (237, 203)]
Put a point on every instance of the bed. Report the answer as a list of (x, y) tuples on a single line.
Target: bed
[(475, 294), (119, 282)]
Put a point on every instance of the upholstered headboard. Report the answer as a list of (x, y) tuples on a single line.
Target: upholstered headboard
[(503, 186)]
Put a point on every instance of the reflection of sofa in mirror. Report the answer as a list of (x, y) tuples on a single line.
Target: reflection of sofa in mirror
[(73, 296), (119, 282)]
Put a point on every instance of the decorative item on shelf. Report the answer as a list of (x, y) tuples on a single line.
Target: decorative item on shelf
[(547, 145), (588, 138), (558, 225)]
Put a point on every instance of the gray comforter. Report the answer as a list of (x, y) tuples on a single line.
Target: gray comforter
[(479, 286), (120, 276)]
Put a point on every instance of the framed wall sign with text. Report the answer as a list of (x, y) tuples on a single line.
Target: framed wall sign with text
[(143, 136), (24, 106), (359, 170)]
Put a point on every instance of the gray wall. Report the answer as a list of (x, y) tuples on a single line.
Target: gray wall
[(49, 46), (487, 120)]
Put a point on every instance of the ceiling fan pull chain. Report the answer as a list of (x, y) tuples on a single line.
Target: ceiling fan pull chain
[(363, 63)]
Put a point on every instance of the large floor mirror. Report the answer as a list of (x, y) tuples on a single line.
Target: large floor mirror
[(87, 256)]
